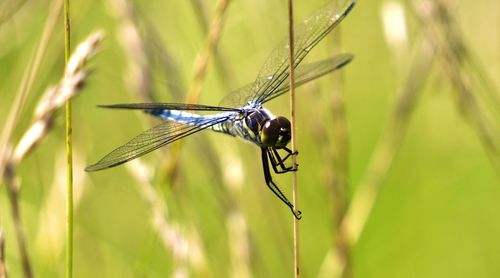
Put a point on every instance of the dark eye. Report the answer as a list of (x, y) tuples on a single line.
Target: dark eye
[(285, 134), (269, 133), (284, 123), (276, 133)]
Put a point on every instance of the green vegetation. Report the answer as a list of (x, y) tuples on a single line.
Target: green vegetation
[(399, 150)]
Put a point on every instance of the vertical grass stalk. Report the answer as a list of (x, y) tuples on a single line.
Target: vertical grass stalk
[(294, 141), (203, 58), (6, 164), (3, 268), (69, 155), (339, 158), (13, 192), (367, 192), (200, 69)]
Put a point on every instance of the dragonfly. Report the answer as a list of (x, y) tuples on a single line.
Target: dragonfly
[(241, 113)]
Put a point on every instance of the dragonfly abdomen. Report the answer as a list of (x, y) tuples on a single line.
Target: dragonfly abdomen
[(189, 118), (178, 116)]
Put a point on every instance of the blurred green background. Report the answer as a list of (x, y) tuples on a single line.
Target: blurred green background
[(437, 212)]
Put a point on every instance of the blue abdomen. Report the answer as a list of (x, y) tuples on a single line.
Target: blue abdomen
[(176, 116)]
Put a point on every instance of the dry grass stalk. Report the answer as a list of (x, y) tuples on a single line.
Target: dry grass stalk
[(232, 177), (8, 9), (26, 84), (172, 168), (227, 76), (440, 39), (85, 51), (171, 233), (200, 68), (431, 14), (232, 170), (48, 246), (396, 32), (57, 96), (184, 248), (295, 183), (203, 58), (53, 99), (238, 243), (3, 268), (6, 165), (455, 56), (201, 14), (367, 191), (222, 159), (132, 41), (147, 53), (338, 156), (13, 193), (385, 151)]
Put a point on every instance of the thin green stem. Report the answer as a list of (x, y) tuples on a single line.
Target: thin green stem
[(69, 155), (294, 142)]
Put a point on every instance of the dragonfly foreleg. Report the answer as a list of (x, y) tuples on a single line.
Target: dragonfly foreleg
[(273, 187), (277, 160)]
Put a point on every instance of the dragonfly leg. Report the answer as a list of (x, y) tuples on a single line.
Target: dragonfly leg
[(273, 187), (289, 152), (276, 161)]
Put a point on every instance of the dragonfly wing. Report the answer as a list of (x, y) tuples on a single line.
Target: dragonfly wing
[(169, 106), (303, 74), (152, 139), (307, 35), (238, 97), (309, 72)]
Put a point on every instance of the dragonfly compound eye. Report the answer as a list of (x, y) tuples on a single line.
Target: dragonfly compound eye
[(276, 133)]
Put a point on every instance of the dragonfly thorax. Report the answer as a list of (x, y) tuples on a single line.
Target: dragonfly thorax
[(276, 132)]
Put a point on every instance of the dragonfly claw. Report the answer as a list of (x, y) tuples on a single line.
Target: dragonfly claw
[(297, 214)]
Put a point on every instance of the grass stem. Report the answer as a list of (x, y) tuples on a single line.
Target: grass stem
[(24, 88), (387, 148), (3, 268), (294, 141), (338, 174), (7, 166), (69, 153), (203, 58), (13, 192)]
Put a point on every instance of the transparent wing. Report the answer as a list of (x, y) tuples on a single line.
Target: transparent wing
[(169, 106), (310, 72), (303, 74), (238, 97), (309, 33), (152, 139)]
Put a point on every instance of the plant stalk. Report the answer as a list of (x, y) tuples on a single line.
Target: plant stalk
[(294, 142), (69, 154)]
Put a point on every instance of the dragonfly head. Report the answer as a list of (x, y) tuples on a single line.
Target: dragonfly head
[(276, 132)]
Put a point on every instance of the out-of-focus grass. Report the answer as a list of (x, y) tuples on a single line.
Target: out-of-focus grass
[(436, 213)]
